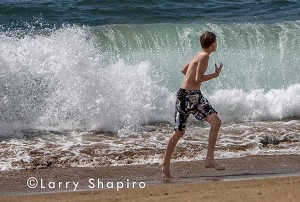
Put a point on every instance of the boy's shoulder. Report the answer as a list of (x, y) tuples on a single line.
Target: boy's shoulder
[(202, 55)]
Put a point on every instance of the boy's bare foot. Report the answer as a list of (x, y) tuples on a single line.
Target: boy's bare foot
[(214, 164), (166, 172)]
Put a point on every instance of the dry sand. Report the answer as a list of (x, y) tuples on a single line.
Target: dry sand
[(253, 178)]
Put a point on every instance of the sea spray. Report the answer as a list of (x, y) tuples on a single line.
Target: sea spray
[(61, 81)]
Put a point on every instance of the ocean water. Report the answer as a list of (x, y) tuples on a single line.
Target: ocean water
[(86, 83)]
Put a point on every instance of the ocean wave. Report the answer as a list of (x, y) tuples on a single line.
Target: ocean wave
[(63, 81), (83, 78), (257, 104)]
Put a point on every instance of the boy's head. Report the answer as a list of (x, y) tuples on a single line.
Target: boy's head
[(207, 38)]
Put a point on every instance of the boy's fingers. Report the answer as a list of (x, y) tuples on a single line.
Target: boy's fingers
[(218, 69)]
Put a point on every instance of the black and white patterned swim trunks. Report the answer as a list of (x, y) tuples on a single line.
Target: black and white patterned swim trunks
[(190, 102)]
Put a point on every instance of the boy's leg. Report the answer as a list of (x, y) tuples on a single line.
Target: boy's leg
[(165, 165), (215, 124)]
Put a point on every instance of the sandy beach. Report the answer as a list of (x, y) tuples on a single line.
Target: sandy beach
[(266, 189), (255, 178)]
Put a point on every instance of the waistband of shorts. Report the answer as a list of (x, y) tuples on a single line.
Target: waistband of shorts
[(190, 91)]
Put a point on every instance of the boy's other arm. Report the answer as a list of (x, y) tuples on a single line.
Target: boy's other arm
[(184, 70)]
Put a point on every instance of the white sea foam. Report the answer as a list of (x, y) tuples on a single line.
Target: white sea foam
[(62, 81), (275, 104), (90, 149)]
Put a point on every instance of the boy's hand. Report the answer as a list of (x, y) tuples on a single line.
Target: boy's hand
[(218, 69)]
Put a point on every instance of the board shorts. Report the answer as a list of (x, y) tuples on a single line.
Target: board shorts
[(190, 102)]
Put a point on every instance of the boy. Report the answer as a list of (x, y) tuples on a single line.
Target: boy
[(191, 101)]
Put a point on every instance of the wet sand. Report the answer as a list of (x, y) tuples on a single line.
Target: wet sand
[(255, 178)]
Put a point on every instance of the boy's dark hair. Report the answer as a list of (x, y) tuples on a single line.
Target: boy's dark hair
[(207, 38)]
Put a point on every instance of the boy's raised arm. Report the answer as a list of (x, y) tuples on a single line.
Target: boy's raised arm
[(201, 69)]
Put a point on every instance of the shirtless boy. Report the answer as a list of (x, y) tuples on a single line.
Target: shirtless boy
[(189, 100)]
